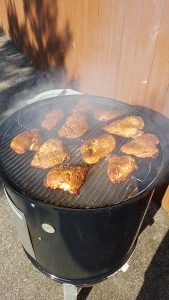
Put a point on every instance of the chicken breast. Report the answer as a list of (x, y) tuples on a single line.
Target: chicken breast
[(74, 127), (104, 115), (120, 168), (127, 127), (50, 154), (67, 178), (52, 118), (142, 146), (83, 105), (96, 148), (26, 141)]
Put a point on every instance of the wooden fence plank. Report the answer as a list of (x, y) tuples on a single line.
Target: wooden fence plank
[(129, 45), (159, 76), (149, 29)]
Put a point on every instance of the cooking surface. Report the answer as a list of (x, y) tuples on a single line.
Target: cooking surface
[(97, 191)]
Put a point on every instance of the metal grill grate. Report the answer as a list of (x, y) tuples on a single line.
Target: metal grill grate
[(97, 191)]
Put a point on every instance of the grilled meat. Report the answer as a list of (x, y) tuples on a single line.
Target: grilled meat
[(52, 118), (67, 178), (104, 115), (120, 168), (50, 154), (26, 141), (96, 148), (83, 105), (127, 127), (142, 146), (74, 127)]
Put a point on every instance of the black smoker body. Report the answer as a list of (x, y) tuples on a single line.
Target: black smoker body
[(87, 245)]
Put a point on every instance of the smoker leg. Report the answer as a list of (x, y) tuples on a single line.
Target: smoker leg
[(70, 291), (125, 267)]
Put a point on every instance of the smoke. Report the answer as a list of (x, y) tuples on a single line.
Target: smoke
[(45, 81), (38, 82)]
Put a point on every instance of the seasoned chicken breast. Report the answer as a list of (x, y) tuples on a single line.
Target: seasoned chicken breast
[(25, 141), (104, 115), (52, 118), (50, 154), (127, 127), (74, 127), (83, 105), (96, 148), (67, 178), (142, 146), (120, 168)]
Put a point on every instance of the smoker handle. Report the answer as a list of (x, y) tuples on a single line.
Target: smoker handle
[(52, 93), (21, 226), (70, 291)]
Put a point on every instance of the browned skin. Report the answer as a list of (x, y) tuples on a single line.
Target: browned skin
[(67, 178), (52, 118), (127, 127), (83, 105), (120, 168), (96, 148), (50, 154), (74, 127), (143, 146), (104, 115), (26, 141)]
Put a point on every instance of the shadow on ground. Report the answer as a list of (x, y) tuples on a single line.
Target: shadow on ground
[(84, 293), (156, 279)]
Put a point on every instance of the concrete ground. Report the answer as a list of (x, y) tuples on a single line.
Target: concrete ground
[(148, 275)]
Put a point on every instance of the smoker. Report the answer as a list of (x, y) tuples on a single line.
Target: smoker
[(78, 239)]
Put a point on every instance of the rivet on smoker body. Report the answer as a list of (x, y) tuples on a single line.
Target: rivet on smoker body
[(48, 228)]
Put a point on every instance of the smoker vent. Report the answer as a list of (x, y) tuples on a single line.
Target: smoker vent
[(97, 191)]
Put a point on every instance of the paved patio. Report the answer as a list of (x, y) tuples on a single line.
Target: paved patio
[(148, 275)]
